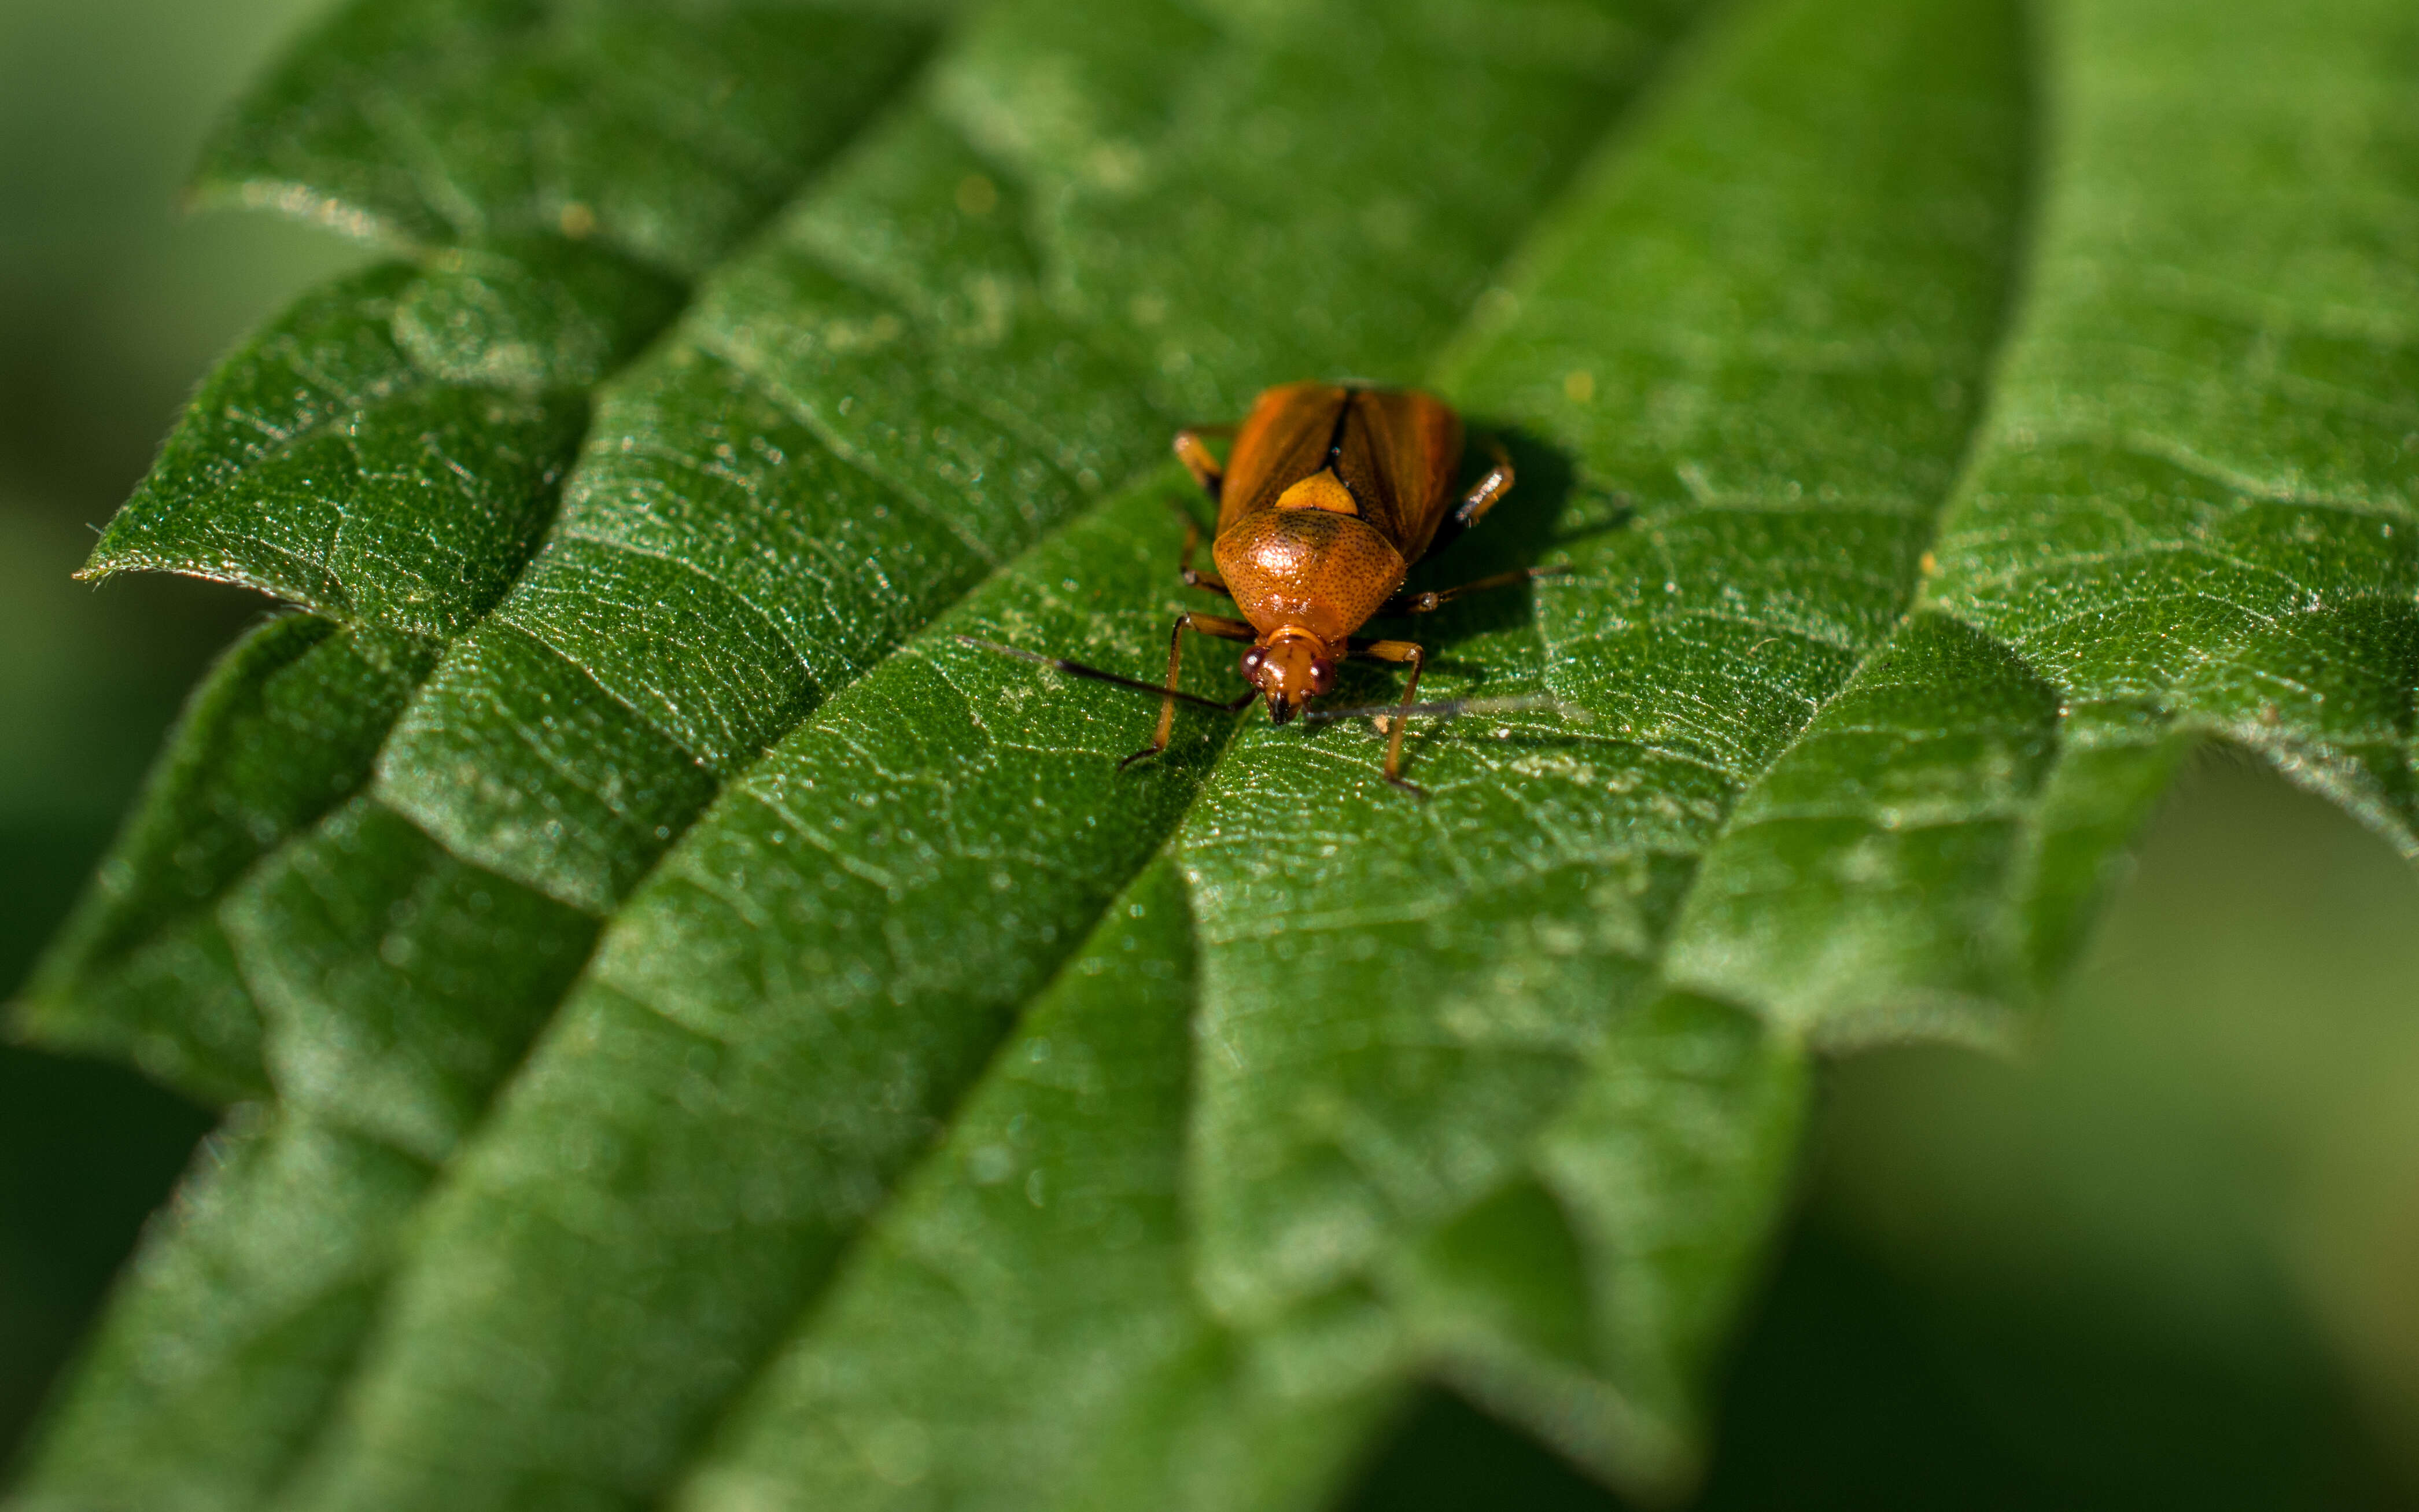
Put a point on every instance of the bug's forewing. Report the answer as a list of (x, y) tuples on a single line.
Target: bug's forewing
[(1282, 442), (1401, 451)]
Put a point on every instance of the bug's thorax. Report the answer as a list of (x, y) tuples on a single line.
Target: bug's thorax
[(1308, 567)]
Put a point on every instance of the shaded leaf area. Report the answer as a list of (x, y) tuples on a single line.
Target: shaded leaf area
[(2188, 517), (903, 389), (88, 1151), (387, 452)]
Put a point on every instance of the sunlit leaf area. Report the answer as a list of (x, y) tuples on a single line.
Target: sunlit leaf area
[(550, 963)]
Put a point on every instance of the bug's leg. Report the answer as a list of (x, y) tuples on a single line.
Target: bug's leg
[(1429, 602), (1483, 495), (1487, 491), (1216, 624), (1206, 469), (1185, 570), (1401, 652)]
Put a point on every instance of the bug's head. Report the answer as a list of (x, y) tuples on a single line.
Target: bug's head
[(1289, 668)]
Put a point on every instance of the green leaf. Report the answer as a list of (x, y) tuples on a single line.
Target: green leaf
[(1781, 295), (307, 454), (386, 453), (2187, 518), (946, 1118)]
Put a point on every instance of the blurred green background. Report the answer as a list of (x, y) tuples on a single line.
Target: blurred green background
[(2172, 1260)]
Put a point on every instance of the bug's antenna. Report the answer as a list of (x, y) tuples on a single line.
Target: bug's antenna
[(1451, 708), (1076, 669)]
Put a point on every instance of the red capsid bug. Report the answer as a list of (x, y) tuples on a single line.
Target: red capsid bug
[(1329, 496)]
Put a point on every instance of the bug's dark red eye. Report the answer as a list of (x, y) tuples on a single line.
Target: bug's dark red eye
[(1323, 676), (1252, 656)]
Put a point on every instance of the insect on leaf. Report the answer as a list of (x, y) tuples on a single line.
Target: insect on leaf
[(752, 1048)]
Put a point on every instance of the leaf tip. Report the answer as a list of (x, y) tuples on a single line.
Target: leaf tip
[(211, 191)]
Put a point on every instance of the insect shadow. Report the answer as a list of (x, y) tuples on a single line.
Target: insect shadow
[(1517, 534), (1543, 514)]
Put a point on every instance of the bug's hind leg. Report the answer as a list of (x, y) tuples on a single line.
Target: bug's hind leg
[(1401, 652), (1488, 491), (1483, 495), (1216, 624)]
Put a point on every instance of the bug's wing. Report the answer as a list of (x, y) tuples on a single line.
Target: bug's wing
[(1283, 440), (1401, 451)]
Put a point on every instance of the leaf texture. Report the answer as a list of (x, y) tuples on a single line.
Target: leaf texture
[(387, 453), (2214, 545), (945, 1118), (1021, 1329)]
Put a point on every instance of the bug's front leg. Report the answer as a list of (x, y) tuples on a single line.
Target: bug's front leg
[(1185, 570), (1217, 625), (1401, 652), (1195, 454)]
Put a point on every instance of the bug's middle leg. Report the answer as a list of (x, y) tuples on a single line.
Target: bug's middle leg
[(1206, 469), (1438, 599), (1185, 570), (1401, 652), (1217, 625)]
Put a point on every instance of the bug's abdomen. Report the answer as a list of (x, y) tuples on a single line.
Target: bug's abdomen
[(1322, 571)]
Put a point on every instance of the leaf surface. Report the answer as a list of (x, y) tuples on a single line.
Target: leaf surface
[(946, 1118), (2214, 544), (385, 454)]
